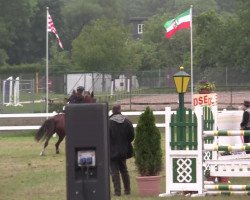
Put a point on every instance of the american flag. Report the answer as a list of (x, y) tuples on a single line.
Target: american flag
[(52, 28)]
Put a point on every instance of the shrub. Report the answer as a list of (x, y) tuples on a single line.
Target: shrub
[(56, 106), (147, 145)]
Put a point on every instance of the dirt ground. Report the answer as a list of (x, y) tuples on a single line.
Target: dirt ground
[(225, 100)]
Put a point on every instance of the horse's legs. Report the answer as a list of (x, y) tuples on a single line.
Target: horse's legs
[(61, 137), (45, 145)]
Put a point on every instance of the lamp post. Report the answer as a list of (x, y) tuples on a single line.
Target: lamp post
[(181, 80)]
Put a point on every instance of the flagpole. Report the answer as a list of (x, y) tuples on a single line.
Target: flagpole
[(47, 63), (191, 54)]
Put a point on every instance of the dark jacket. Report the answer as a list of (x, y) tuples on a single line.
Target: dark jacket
[(121, 135), (245, 123), (75, 98)]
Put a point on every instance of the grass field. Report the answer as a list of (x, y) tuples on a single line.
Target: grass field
[(24, 175)]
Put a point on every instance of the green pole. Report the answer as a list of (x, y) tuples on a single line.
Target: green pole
[(181, 101), (182, 115)]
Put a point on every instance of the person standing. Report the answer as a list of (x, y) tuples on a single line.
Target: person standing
[(245, 123), (121, 136)]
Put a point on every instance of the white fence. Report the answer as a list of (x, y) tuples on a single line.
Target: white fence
[(226, 119), (137, 113), (25, 115), (46, 115)]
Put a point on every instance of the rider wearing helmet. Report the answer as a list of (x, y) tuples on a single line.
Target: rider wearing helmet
[(77, 96)]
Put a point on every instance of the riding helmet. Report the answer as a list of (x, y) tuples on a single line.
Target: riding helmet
[(80, 88)]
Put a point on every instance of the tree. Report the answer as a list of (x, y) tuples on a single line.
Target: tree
[(59, 60), (220, 38), (23, 26), (15, 26), (164, 53), (77, 14), (4, 42), (102, 46), (226, 5), (147, 145), (242, 30), (3, 57), (38, 26), (209, 39), (148, 154)]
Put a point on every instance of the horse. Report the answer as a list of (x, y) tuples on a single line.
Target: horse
[(56, 124)]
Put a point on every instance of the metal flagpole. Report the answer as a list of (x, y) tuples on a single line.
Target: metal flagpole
[(191, 54), (47, 63)]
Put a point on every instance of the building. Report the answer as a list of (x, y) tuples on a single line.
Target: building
[(137, 26)]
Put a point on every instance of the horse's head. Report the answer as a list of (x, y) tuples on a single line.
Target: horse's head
[(89, 97)]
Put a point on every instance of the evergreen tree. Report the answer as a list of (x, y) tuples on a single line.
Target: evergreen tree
[(147, 145)]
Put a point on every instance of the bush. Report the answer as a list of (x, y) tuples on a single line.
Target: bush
[(147, 145), (56, 106)]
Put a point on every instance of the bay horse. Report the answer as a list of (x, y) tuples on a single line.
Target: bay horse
[(56, 124)]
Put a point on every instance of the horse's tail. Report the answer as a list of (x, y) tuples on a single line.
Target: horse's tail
[(45, 130)]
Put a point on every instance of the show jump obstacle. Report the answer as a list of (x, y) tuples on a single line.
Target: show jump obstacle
[(194, 153), (11, 91)]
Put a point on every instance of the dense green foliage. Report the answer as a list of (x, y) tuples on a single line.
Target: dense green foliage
[(96, 35), (147, 145), (90, 47)]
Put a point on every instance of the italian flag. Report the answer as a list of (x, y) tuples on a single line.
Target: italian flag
[(181, 21)]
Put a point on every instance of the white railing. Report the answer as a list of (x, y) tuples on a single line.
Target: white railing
[(45, 115), (225, 118), (137, 113), (24, 115)]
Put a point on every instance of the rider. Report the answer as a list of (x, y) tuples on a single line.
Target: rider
[(77, 96)]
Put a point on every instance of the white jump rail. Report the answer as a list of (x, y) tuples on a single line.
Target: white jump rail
[(45, 115), (35, 127), (137, 113), (229, 168), (24, 115)]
